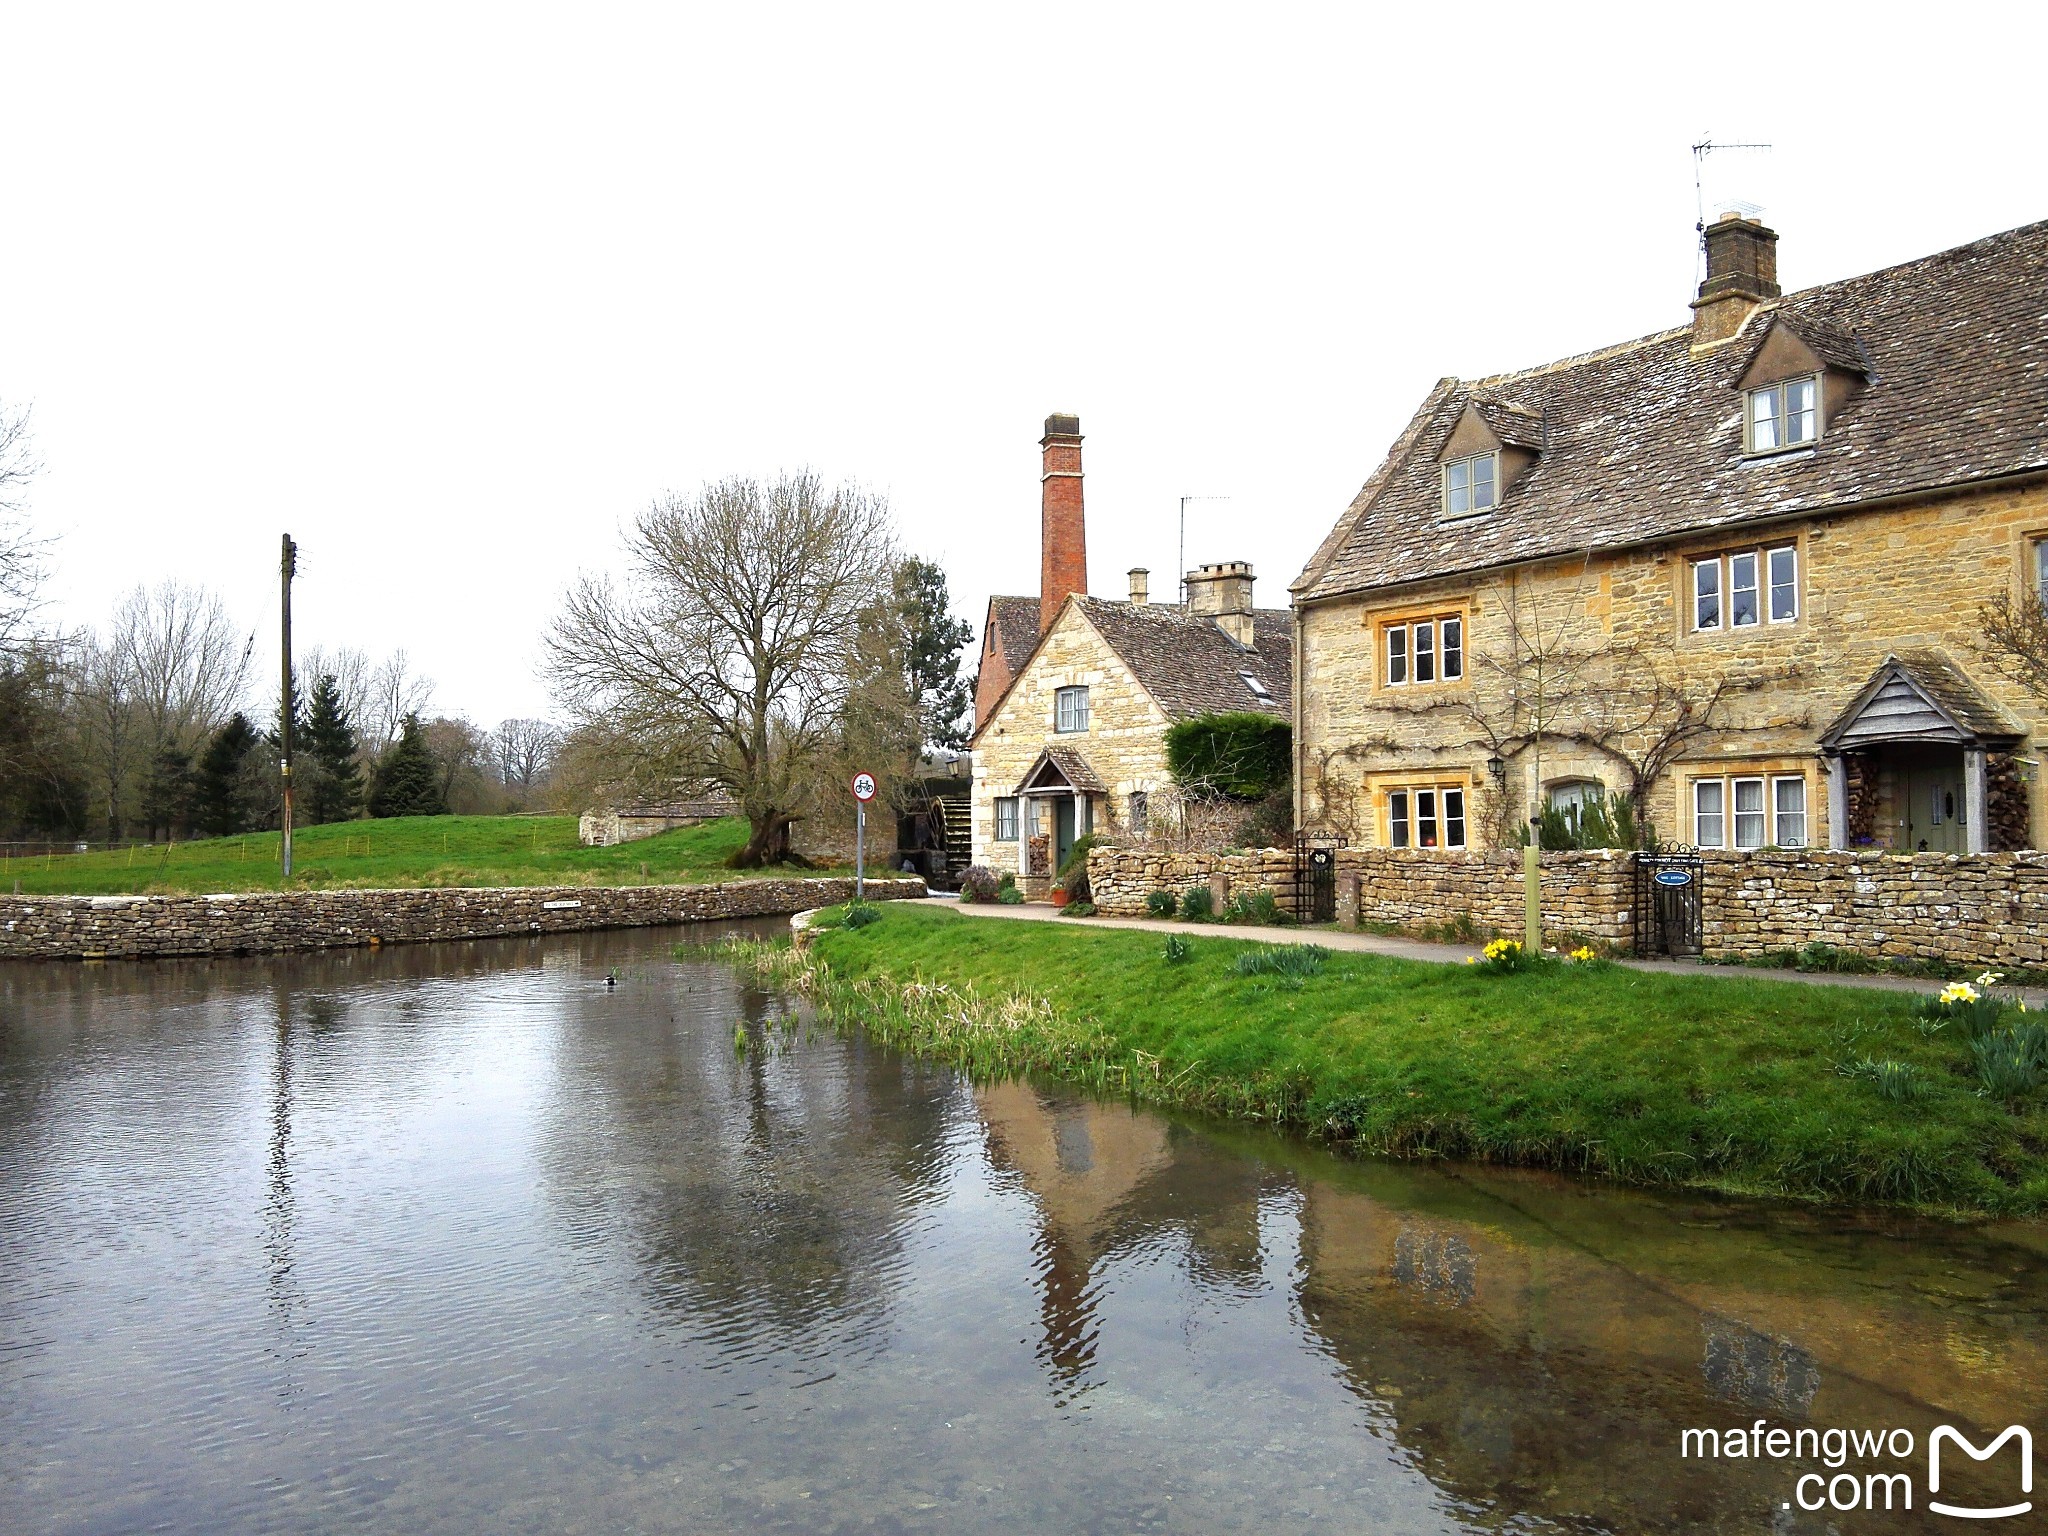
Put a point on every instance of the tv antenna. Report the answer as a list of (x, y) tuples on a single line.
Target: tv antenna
[(1183, 573), (1705, 147)]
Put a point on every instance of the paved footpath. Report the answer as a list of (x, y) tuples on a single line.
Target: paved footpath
[(1440, 954)]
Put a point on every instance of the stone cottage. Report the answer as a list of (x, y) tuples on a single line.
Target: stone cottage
[(1071, 738), (1736, 571)]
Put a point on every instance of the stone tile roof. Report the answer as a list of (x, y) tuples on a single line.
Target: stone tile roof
[(1190, 666), (1941, 683), (1072, 766), (1015, 622), (1644, 440)]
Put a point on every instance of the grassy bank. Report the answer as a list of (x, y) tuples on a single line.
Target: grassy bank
[(401, 851), (1711, 1081)]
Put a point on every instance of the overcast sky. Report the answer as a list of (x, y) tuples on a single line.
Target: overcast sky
[(448, 292)]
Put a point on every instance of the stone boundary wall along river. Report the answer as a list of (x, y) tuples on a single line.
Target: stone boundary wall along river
[(258, 922)]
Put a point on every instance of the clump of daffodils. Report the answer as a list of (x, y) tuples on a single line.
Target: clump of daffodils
[(1959, 993), (1504, 956), (1584, 955), (1502, 949)]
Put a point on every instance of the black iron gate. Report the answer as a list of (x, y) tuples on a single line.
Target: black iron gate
[(1315, 876), (1668, 881)]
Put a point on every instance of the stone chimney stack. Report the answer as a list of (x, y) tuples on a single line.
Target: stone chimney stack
[(1742, 272), (1224, 593), (1141, 586), (1063, 567)]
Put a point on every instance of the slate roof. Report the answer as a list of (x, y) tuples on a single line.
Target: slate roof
[(1015, 623), (1190, 666), (1644, 440)]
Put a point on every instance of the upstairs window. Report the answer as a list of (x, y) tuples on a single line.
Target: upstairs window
[(1070, 709), (1469, 484), (1783, 415), (1430, 650), (1743, 589)]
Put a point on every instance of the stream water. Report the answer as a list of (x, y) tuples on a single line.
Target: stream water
[(463, 1238)]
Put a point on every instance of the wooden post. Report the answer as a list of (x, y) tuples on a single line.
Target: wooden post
[(289, 707)]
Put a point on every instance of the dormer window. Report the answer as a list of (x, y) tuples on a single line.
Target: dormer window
[(1784, 415), (1469, 484)]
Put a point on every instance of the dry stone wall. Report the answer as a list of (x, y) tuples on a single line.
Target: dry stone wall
[(1959, 909), (133, 927)]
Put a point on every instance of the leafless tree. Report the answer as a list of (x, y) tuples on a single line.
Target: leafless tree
[(189, 662), (22, 553), (2012, 637), (393, 691), (103, 689), (352, 673), (523, 750), (462, 755), (728, 655)]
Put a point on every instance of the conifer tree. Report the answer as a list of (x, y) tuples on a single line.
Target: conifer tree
[(334, 790), (219, 801), (408, 781)]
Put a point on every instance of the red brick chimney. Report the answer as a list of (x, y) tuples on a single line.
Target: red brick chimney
[(1064, 566)]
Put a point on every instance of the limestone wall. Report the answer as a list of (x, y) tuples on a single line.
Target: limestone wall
[(1961, 909), (125, 927)]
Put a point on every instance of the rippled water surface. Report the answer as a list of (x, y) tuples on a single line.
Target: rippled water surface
[(461, 1239)]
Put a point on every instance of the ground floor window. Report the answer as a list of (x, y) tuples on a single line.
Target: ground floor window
[(1749, 811), (1426, 816), (1141, 812), (1006, 819)]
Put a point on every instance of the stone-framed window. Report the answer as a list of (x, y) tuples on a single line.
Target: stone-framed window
[(1139, 813), (1070, 710), (1745, 589), (1423, 816), (1423, 650), (1006, 818), (1750, 810), (1783, 415), (1471, 484)]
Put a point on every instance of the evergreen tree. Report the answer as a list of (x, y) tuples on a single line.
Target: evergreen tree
[(167, 792), (408, 780), (219, 796), (932, 641), (334, 788)]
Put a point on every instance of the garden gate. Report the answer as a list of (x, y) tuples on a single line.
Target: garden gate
[(1315, 876), (1668, 891)]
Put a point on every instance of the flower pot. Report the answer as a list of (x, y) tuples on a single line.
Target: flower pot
[(1059, 895)]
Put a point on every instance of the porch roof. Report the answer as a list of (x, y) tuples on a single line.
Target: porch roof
[(1919, 696), (1062, 768)]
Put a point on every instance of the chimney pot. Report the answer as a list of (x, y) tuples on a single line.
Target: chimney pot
[(1141, 586), (1742, 273), (1063, 566)]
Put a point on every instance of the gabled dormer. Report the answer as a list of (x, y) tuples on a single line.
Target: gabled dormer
[(1797, 377), (1492, 446)]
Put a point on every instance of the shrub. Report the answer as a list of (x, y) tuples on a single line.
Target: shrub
[(1240, 754), (1296, 962), (1073, 871), (1078, 909), (1176, 949), (1258, 907), (1160, 904), (1197, 905), (978, 884), (2011, 1061), (1007, 883), (1009, 895), (860, 913)]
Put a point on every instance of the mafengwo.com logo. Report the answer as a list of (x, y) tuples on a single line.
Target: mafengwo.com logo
[(1873, 1469)]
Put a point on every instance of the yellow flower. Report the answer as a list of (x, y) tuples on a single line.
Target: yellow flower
[(1583, 953), (1957, 992)]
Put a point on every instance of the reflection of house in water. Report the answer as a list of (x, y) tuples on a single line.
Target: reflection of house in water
[(1109, 1181)]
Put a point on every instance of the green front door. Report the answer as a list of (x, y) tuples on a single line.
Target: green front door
[(1936, 819), (1062, 830)]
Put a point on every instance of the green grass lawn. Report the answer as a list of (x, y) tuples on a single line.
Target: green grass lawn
[(1714, 1081), (402, 851)]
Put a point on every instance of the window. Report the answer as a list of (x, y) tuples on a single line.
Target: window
[(1006, 818), (1785, 415), (1469, 484), (1755, 582), (1431, 817), (1426, 651), (1258, 688), (1765, 810), (2041, 570), (1141, 812), (1070, 709)]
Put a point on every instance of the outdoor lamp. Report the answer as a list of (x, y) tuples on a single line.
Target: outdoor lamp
[(1497, 769)]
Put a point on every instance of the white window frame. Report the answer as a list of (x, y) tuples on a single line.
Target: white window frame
[(1780, 816), (1772, 824), (1764, 562), (1433, 810), (1066, 722), (1761, 816), (1432, 644), (1006, 812), (1773, 404), (1462, 483), (1737, 586), (1719, 814)]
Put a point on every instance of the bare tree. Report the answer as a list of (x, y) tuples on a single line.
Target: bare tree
[(523, 750), (727, 657), (393, 691), (2012, 637), (103, 690), (352, 673), (22, 554), (189, 662), (462, 758)]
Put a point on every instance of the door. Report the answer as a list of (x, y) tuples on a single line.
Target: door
[(1936, 808), (1062, 830)]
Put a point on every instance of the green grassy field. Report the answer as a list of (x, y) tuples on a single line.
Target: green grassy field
[(403, 851), (1718, 1082)]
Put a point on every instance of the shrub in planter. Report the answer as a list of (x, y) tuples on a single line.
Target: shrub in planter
[(1160, 904), (1197, 905), (978, 884)]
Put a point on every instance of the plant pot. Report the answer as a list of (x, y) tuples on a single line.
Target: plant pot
[(1059, 896)]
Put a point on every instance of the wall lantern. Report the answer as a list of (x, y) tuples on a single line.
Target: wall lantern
[(1497, 770)]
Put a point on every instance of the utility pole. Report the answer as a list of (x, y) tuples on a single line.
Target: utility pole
[(290, 707)]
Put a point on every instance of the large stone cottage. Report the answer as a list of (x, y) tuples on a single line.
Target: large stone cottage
[(1735, 571), (1070, 738)]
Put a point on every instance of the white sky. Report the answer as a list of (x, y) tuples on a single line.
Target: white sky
[(447, 292)]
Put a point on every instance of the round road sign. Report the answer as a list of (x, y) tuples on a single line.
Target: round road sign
[(863, 787)]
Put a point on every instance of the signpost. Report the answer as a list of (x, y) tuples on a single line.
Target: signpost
[(863, 792)]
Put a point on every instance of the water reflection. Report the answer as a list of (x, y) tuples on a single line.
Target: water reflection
[(460, 1238)]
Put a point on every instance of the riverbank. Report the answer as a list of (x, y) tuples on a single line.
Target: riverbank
[(1652, 1079), (265, 922)]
